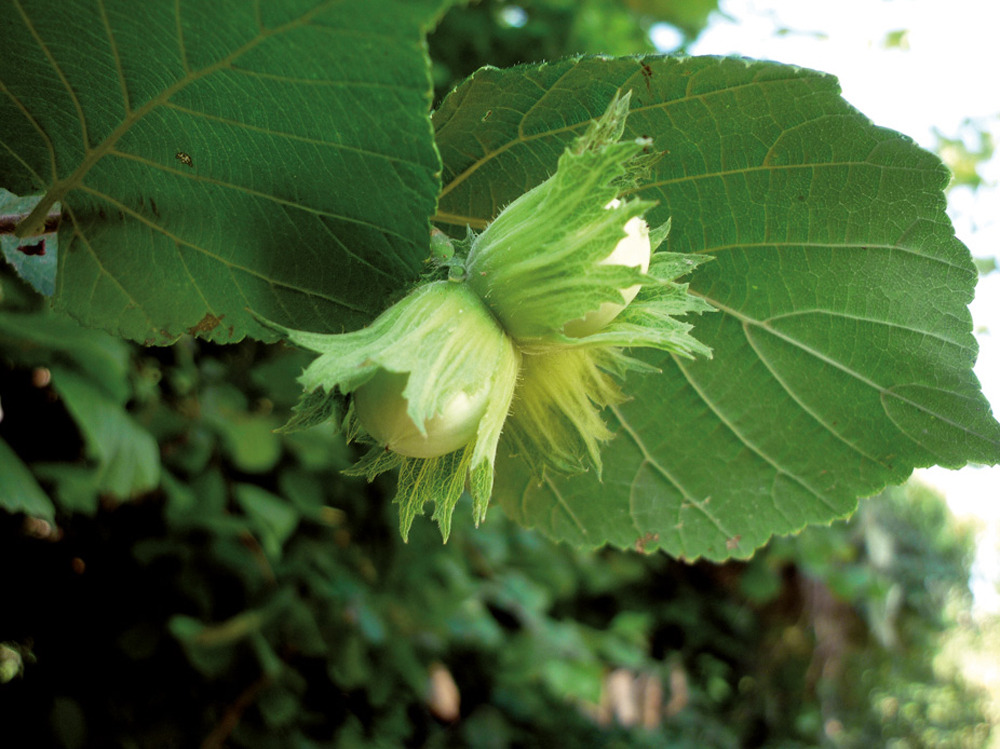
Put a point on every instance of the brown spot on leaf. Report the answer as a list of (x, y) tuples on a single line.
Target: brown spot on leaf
[(646, 538), (207, 324), (733, 543), (647, 73)]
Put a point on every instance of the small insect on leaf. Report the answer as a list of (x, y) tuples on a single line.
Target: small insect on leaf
[(185, 159)]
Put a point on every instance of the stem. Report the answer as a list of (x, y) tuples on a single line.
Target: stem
[(10, 221), (34, 223), (231, 718)]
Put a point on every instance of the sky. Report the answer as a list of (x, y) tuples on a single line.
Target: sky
[(937, 79)]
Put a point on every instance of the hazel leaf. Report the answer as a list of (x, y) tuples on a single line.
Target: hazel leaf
[(842, 343), (213, 159)]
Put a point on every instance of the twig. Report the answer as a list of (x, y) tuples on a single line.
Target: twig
[(231, 718)]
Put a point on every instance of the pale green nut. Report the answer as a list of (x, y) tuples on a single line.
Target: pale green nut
[(633, 251), (431, 382), (382, 408), (431, 375)]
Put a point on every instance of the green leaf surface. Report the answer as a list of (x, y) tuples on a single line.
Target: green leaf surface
[(273, 518), (19, 492), (34, 340), (212, 158), (248, 439), (843, 351), (127, 456), (75, 488)]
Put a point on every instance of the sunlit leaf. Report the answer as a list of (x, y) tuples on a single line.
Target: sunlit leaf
[(843, 348)]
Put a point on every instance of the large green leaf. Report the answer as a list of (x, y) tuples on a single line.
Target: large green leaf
[(216, 157), (33, 340), (19, 492), (127, 456), (843, 345)]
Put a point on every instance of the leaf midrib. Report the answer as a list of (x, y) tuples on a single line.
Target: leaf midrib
[(208, 253)]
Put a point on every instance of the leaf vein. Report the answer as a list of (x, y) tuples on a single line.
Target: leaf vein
[(764, 168), (882, 390), (95, 154), (64, 256), (562, 504), (188, 174), (690, 501), (58, 71), (538, 102), (213, 256), (471, 169), (319, 81), (288, 136), (112, 42), (27, 167), (181, 46), (832, 246), (194, 281), (758, 451), (871, 320), (747, 324)]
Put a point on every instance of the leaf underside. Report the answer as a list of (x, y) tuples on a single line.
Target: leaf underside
[(217, 157), (33, 258), (843, 348)]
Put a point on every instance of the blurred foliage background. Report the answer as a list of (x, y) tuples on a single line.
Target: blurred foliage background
[(177, 575)]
